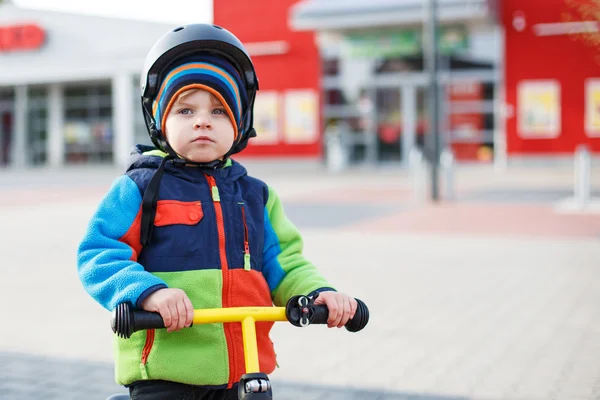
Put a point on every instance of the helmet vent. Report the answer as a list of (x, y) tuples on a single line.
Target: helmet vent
[(178, 29), (218, 27)]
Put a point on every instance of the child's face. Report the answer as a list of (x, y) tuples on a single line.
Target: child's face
[(198, 127)]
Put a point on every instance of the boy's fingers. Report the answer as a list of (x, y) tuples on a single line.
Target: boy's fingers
[(332, 307), (182, 314), (189, 311), (340, 312), (165, 314), (353, 307), (174, 317), (346, 312)]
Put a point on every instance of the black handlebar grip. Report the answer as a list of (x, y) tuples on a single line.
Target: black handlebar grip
[(125, 320), (320, 315), (360, 320)]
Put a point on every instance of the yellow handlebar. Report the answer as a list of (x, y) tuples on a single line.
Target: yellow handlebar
[(299, 311), (248, 316), (238, 314)]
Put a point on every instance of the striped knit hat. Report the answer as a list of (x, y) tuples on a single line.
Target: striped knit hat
[(208, 72)]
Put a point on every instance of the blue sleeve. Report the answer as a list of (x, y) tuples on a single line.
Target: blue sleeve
[(272, 270), (105, 262)]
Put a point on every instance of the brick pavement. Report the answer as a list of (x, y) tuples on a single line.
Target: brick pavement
[(515, 220), (488, 298), (30, 377)]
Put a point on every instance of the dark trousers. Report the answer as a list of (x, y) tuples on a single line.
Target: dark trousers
[(164, 390)]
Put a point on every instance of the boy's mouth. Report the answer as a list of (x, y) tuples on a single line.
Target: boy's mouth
[(203, 139)]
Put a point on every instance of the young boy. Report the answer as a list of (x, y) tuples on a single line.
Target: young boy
[(187, 228)]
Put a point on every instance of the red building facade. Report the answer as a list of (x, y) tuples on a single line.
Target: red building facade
[(550, 67), (552, 75), (287, 111)]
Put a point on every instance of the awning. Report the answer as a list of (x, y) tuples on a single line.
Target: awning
[(348, 14)]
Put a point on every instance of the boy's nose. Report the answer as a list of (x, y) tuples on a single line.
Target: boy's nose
[(202, 123)]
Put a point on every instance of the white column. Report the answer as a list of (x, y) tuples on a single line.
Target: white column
[(372, 146), (19, 142), (123, 122), (408, 97), (56, 126)]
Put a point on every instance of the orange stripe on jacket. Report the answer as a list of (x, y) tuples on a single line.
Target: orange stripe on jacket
[(132, 236), (249, 288)]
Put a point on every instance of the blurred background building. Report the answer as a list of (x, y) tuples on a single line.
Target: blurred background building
[(518, 78), (69, 86), (374, 80)]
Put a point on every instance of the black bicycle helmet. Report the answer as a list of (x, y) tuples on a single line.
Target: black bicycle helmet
[(190, 40)]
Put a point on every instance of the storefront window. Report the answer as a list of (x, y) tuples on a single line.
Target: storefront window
[(389, 123), (37, 125), (105, 112), (6, 124), (88, 123)]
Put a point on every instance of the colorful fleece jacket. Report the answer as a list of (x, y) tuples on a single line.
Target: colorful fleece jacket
[(221, 236)]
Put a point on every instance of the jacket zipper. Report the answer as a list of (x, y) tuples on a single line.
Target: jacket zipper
[(247, 266), (146, 352), (225, 272)]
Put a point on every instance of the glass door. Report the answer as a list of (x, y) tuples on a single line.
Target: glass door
[(6, 125), (388, 103)]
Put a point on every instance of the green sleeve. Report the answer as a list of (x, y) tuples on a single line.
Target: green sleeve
[(283, 253)]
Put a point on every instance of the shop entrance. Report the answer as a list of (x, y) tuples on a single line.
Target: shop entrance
[(387, 116), (401, 115)]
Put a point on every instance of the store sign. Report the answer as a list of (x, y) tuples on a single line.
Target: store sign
[(21, 37), (402, 43), (452, 39), (566, 28), (382, 44)]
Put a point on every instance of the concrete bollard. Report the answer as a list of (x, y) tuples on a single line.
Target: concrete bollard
[(337, 152), (582, 182), (447, 163), (418, 171), (581, 201)]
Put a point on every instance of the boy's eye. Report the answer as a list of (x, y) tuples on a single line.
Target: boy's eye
[(185, 111), (219, 111)]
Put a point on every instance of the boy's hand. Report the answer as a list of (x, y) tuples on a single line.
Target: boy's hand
[(173, 305), (341, 307)]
